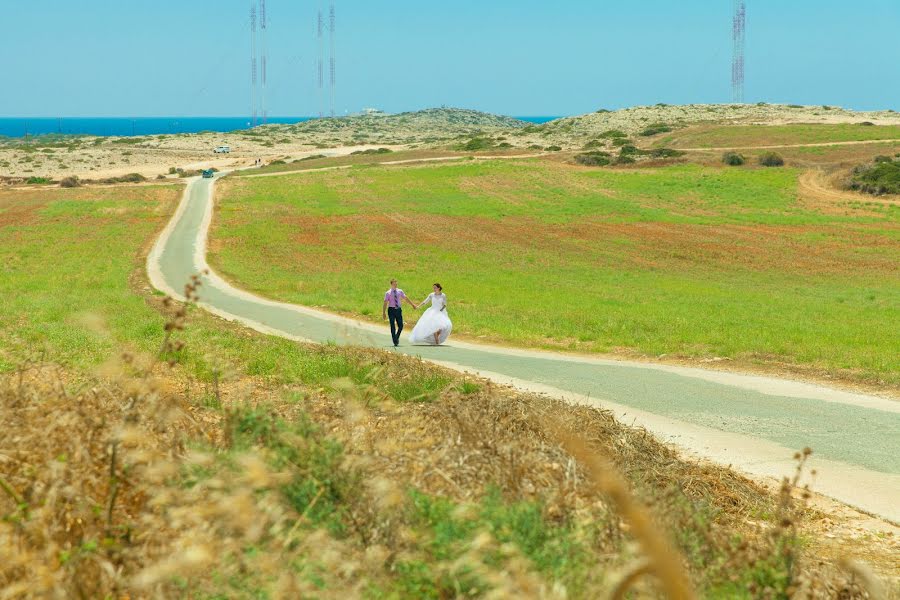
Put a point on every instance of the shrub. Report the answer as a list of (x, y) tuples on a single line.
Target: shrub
[(38, 180), (553, 148), (172, 170), (624, 160), (881, 177), (593, 144), (771, 159), (277, 162), (867, 124), (504, 145), (881, 158), (733, 159), (313, 157), (69, 182), (535, 147), (593, 159), (794, 106), (603, 110), (131, 178), (664, 153), (478, 144), (613, 133), (373, 151), (655, 129), (629, 150)]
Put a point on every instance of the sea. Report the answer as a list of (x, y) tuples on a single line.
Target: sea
[(18, 127)]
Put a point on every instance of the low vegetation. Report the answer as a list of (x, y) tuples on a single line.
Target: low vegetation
[(157, 451), (656, 129), (882, 176), (683, 260), (771, 159), (733, 159)]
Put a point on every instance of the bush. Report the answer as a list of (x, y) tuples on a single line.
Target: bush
[(881, 177), (733, 159), (38, 180), (478, 144), (629, 150), (535, 147), (593, 159), (172, 170), (624, 160), (655, 129), (553, 148), (664, 153), (504, 145), (69, 182), (313, 157), (867, 124), (593, 144), (613, 133), (881, 158), (771, 159), (373, 151)]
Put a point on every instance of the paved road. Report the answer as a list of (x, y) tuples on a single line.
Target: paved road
[(753, 423)]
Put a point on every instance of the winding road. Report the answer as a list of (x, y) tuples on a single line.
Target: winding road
[(750, 422)]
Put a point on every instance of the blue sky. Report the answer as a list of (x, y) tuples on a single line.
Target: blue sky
[(522, 57)]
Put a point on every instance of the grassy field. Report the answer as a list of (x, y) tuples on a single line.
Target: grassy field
[(737, 136), (69, 255), (257, 467), (685, 260)]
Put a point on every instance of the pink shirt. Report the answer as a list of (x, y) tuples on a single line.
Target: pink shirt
[(394, 298)]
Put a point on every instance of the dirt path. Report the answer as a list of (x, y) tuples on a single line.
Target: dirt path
[(816, 185)]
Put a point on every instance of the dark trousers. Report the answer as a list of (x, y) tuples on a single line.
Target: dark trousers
[(395, 316)]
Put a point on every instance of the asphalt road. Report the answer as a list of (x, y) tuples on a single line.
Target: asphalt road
[(752, 423)]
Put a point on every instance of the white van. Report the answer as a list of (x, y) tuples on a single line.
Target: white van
[(223, 149)]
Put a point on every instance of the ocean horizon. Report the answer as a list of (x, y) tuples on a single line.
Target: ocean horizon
[(18, 127)]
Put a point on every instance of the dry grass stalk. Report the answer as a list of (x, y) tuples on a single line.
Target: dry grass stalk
[(666, 561)]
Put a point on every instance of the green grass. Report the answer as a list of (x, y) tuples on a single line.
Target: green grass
[(681, 260), (69, 256), (772, 135)]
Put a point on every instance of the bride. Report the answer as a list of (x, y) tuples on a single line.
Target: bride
[(434, 326)]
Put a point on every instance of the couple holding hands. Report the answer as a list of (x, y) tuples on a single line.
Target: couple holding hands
[(433, 328)]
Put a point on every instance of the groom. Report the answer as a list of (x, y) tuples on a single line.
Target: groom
[(393, 304)]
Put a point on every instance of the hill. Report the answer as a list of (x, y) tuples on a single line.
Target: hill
[(429, 125)]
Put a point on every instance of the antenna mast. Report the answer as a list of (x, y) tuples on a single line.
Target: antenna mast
[(321, 64), (738, 27), (331, 19), (253, 84), (263, 25)]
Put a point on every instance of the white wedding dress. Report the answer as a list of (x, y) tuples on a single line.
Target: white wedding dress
[(432, 320)]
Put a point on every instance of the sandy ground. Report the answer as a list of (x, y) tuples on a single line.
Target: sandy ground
[(153, 156)]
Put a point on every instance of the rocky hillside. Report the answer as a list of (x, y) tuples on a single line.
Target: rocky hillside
[(574, 131), (425, 126)]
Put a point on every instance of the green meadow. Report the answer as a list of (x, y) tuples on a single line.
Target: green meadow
[(723, 136), (71, 295), (685, 260)]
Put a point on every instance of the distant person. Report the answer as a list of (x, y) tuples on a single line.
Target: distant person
[(434, 326), (393, 305)]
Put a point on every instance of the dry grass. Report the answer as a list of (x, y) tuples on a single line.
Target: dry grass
[(136, 484)]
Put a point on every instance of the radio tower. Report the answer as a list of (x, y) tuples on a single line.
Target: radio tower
[(331, 66), (263, 21), (737, 62), (321, 64), (253, 84)]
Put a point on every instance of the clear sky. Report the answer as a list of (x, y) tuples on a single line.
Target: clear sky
[(516, 57)]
